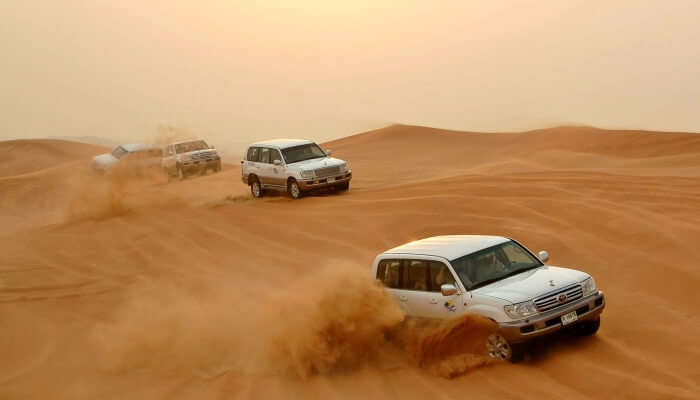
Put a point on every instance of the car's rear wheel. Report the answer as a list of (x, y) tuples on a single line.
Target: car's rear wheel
[(589, 328), (180, 173), (294, 189), (499, 348), (256, 189)]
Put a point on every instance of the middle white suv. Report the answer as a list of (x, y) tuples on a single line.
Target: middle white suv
[(292, 165), (494, 277)]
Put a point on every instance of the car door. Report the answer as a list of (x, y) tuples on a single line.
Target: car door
[(421, 281), (265, 172), (278, 174)]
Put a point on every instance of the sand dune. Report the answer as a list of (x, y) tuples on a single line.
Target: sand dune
[(135, 288)]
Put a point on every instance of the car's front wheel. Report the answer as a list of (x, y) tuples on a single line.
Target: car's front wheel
[(294, 189), (499, 348)]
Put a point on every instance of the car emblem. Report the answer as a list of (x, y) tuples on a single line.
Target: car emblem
[(562, 298), (551, 283)]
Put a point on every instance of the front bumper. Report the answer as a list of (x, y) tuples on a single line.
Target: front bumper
[(214, 163), (311, 184), (587, 308)]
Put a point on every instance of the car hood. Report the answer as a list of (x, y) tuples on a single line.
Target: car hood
[(105, 160), (316, 163), (531, 284)]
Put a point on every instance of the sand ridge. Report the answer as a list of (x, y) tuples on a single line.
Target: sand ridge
[(143, 289)]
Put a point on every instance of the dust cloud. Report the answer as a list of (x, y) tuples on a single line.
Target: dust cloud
[(307, 329)]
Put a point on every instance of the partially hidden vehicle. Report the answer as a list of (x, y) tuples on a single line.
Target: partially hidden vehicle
[(189, 157), (134, 156), (294, 166), (494, 277)]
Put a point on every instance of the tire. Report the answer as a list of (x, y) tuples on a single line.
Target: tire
[(180, 173), (497, 347), (344, 187), (294, 190), (256, 189), (218, 167), (589, 328)]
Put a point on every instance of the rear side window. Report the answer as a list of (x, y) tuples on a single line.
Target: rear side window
[(253, 154), (389, 272), (415, 275), (265, 155), (419, 275)]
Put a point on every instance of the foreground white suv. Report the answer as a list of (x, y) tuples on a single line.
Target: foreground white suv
[(495, 277), (292, 165)]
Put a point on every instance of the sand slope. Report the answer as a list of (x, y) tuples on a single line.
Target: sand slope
[(139, 289)]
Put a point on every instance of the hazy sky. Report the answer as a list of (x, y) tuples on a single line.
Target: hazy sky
[(234, 71)]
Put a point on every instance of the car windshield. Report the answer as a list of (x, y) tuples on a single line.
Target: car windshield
[(119, 152), (191, 146), (493, 264), (303, 152)]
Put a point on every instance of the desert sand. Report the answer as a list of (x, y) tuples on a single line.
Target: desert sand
[(141, 289)]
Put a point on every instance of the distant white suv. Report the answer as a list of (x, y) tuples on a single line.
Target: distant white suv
[(190, 156), (495, 277), (134, 156), (292, 165)]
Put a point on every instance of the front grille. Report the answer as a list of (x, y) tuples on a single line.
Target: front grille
[(558, 298), (203, 156), (328, 171)]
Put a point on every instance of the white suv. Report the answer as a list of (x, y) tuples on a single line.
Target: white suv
[(495, 277), (292, 165), (190, 156)]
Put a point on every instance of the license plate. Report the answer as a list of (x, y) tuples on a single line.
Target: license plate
[(568, 318), (331, 179)]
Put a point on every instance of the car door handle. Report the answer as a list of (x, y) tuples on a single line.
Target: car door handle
[(403, 298), (433, 301)]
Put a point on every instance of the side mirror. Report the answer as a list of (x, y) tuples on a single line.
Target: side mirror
[(448, 289), (543, 255), (277, 162), (329, 152)]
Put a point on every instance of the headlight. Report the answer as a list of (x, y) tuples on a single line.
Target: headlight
[(588, 286), (307, 174), (344, 168), (520, 310)]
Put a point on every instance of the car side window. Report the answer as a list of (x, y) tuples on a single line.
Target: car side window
[(439, 275), (275, 155), (388, 272), (253, 154), (265, 155), (415, 275)]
